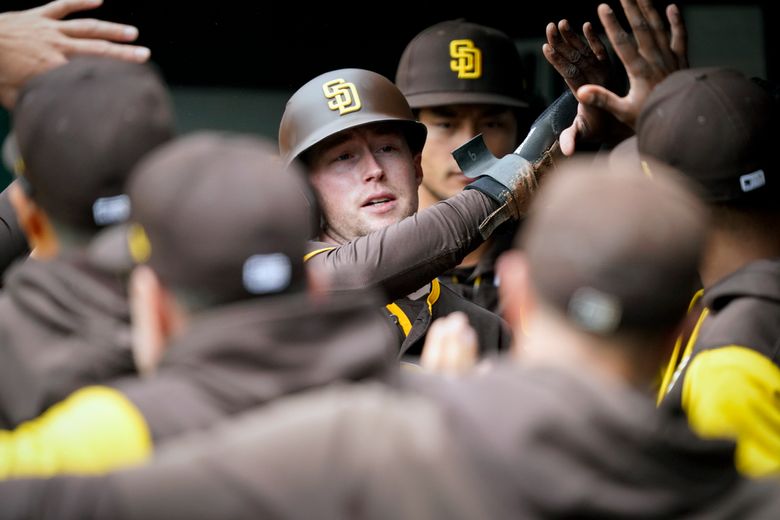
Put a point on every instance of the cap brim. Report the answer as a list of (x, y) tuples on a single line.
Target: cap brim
[(110, 250), (434, 99)]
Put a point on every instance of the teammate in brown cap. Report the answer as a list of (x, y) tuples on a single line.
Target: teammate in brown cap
[(356, 134), (461, 80), (34, 41), (572, 434), (219, 327), (64, 322), (584, 438), (719, 129)]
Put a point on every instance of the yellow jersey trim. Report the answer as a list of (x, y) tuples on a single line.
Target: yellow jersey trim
[(403, 319), (734, 392), (676, 364), (94, 430), (434, 295), (314, 253)]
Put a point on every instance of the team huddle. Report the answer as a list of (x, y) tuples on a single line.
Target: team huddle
[(428, 299)]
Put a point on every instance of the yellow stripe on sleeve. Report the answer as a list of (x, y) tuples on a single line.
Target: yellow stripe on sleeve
[(311, 254), (94, 430)]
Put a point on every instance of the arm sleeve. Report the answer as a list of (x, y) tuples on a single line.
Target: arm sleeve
[(403, 257), (734, 392), (95, 429), (13, 243)]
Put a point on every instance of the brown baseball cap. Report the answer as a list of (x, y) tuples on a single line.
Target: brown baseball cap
[(340, 100), (613, 249), (222, 218), (718, 128), (458, 62), (80, 129)]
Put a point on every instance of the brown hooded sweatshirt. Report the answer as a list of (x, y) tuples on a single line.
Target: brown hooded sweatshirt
[(64, 324), (514, 443), (230, 359)]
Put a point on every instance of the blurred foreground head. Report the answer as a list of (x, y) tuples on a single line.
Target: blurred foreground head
[(80, 130), (217, 219), (608, 253), (223, 219)]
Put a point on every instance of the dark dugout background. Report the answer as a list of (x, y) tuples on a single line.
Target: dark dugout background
[(233, 64)]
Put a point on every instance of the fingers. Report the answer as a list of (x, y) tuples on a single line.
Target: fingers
[(600, 97), (593, 69), (61, 8), (568, 140), (579, 129), (451, 346), (578, 48), (639, 25), (679, 38), (134, 53), (561, 47), (98, 29), (461, 356), (564, 54), (622, 42), (654, 20), (570, 73), (433, 350), (91, 36), (658, 31), (567, 44), (574, 59), (598, 48)]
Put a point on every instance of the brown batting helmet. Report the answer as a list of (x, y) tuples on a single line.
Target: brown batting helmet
[(340, 100)]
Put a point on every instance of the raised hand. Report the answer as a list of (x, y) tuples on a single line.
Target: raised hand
[(649, 56), (579, 64), (38, 39)]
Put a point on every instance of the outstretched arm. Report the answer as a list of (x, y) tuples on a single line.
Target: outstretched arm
[(404, 256)]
